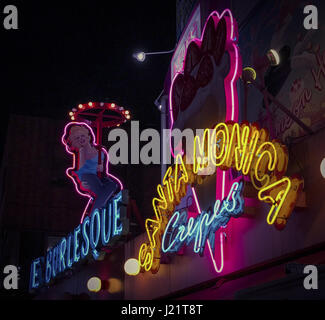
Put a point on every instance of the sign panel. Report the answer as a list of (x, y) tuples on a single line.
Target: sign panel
[(226, 145), (102, 229), (193, 30), (103, 220)]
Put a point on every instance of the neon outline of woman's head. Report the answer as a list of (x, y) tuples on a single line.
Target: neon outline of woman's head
[(78, 131)]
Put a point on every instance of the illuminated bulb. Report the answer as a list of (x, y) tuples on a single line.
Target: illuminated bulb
[(274, 57), (113, 105), (127, 112), (248, 74), (90, 104), (114, 285), (72, 118), (80, 106), (128, 116), (94, 284), (70, 113), (118, 125), (140, 56), (322, 168), (132, 267)]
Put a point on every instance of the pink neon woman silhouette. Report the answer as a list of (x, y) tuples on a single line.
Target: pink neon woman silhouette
[(91, 179)]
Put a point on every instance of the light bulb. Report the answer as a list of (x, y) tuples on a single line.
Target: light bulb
[(94, 284), (322, 168), (140, 56), (132, 267), (274, 57)]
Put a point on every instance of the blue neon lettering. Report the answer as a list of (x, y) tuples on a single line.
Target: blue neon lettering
[(48, 271), (94, 238), (54, 261), (35, 276), (175, 235), (76, 251), (170, 225), (103, 223), (85, 245), (181, 229), (63, 246), (116, 214), (69, 260), (106, 226)]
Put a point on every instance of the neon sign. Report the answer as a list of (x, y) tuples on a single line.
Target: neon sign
[(244, 148), (182, 230), (77, 137), (99, 230), (192, 30), (220, 35)]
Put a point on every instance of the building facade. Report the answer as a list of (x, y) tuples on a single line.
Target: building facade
[(258, 261), (225, 233)]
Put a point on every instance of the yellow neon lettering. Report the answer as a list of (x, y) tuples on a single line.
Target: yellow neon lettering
[(266, 160), (241, 152), (201, 159), (234, 141), (249, 151), (291, 198), (167, 181), (183, 178), (276, 197), (145, 258), (219, 144)]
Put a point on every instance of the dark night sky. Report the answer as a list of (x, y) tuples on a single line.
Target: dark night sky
[(65, 53)]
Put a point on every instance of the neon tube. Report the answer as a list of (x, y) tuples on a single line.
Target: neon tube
[(218, 270), (73, 168), (231, 105)]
